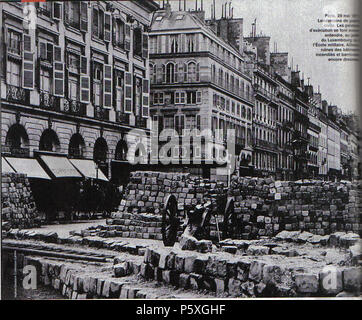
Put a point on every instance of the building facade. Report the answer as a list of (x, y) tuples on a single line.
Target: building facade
[(199, 81), (74, 78)]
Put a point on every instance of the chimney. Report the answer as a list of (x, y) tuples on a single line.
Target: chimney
[(279, 63)]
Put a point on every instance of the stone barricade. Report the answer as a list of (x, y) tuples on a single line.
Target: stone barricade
[(263, 207), (18, 209)]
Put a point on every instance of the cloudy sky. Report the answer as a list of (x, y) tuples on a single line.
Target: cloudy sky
[(288, 22)]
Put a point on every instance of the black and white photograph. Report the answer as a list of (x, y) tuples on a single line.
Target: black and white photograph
[(180, 150)]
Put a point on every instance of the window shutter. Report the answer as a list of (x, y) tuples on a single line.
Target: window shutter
[(107, 27), (66, 11), (144, 46), (107, 85), (198, 72), (114, 22), (198, 97), (159, 74), (145, 98), (84, 80), (185, 72), (127, 37), (58, 70), (28, 63), (83, 16), (163, 73), (57, 11), (168, 49), (128, 92)]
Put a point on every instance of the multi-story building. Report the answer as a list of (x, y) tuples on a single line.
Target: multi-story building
[(198, 81), (344, 150), (333, 151), (314, 129), (323, 144), (266, 106), (74, 78), (301, 123)]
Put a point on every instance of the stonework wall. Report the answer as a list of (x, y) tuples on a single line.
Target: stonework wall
[(263, 207), (18, 209)]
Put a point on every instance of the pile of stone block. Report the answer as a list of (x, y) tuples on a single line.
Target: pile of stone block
[(245, 276), (17, 203), (264, 207)]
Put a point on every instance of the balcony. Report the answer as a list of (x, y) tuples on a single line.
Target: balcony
[(141, 122), (100, 113), (122, 117), (74, 107), (258, 143), (287, 125), (15, 151), (17, 94), (48, 101), (265, 94)]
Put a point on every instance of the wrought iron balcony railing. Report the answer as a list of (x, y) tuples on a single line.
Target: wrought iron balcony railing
[(17, 94), (100, 113), (74, 107), (49, 101), (264, 144), (141, 122), (122, 117)]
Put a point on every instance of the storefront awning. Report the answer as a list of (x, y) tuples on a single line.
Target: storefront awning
[(60, 167), (30, 167), (88, 169), (5, 167)]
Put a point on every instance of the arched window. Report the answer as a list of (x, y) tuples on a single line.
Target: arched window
[(191, 72), (17, 141), (121, 151), (49, 141), (170, 73), (174, 44), (76, 146), (100, 150)]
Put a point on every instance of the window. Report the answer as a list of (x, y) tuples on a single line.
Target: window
[(191, 97), (158, 98), (138, 96), (118, 33), (14, 42), (191, 72), (73, 88), (180, 97), (190, 43), (180, 123), (168, 122), (45, 80), (170, 73), (98, 23), (13, 73), (45, 8), (73, 62), (137, 41), (119, 82), (174, 44), (72, 13), (97, 83)]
